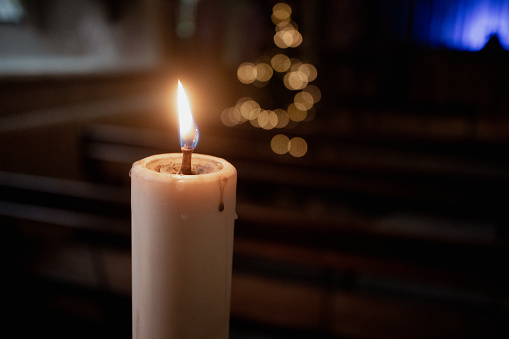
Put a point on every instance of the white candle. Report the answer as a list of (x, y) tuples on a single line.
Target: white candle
[(182, 247)]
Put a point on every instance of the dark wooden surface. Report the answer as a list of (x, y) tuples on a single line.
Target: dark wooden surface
[(382, 239)]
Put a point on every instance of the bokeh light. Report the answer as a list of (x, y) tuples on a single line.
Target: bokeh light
[(263, 72), (247, 72), (287, 26), (267, 119), (297, 147), (296, 76), (280, 63), (283, 39), (249, 109), (287, 38), (297, 39), (309, 70), (254, 122), (280, 144), (282, 118), (296, 63), (296, 114), (287, 35), (303, 101), (314, 91), (226, 117), (311, 113), (282, 11), (295, 80)]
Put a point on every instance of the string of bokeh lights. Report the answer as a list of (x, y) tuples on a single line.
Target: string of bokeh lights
[(296, 76)]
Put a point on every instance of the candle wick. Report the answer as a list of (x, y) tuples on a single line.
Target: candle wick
[(186, 161)]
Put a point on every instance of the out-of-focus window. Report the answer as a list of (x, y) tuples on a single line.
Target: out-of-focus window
[(78, 36)]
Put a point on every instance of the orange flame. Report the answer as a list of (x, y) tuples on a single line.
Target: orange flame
[(188, 130)]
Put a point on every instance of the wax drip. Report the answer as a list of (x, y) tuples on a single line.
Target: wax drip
[(222, 183)]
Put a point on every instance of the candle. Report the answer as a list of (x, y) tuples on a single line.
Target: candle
[(182, 243)]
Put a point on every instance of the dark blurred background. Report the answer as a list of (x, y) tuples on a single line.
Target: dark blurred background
[(371, 205)]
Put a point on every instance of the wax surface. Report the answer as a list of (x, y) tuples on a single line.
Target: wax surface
[(182, 246)]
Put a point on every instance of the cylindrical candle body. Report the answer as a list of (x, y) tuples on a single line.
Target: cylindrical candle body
[(182, 247)]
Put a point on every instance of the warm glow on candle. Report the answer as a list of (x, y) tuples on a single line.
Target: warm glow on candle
[(188, 130)]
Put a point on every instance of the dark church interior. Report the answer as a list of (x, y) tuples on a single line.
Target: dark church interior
[(369, 139)]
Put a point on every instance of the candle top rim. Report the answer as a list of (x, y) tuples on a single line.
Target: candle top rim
[(166, 167)]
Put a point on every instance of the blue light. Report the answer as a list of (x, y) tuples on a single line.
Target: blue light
[(461, 24)]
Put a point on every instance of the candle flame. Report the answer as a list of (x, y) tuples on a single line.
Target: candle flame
[(188, 129)]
